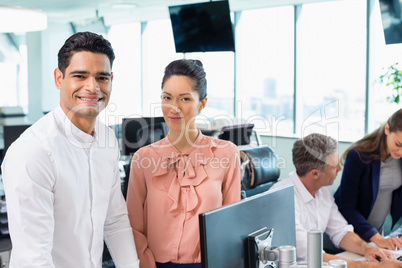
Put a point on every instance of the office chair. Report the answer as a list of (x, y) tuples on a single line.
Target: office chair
[(10, 134), (139, 132), (238, 134), (259, 170)]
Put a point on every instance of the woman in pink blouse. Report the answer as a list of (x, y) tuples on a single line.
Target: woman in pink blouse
[(180, 176)]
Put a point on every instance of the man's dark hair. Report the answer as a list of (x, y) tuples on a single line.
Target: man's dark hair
[(83, 41)]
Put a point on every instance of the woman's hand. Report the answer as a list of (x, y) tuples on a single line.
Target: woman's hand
[(391, 243), (376, 254)]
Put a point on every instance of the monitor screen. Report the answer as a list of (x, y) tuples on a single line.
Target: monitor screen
[(141, 131), (224, 232), (202, 27), (11, 133)]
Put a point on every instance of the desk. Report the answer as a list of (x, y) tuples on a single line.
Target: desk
[(350, 256)]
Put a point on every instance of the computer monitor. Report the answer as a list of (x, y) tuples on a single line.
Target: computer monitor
[(11, 133), (224, 231), (141, 131), (391, 20)]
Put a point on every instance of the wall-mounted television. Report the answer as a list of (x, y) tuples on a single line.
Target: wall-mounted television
[(391, 14), (202, 27)]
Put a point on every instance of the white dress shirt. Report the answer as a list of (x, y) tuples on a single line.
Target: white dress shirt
[(64, 197), (319, 213)]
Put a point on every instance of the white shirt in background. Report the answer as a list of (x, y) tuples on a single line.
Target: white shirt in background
[(319, 213)]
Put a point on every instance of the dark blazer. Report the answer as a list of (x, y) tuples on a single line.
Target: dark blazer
[(358, 190)]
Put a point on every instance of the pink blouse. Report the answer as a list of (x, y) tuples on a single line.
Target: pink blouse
[(167, 190)]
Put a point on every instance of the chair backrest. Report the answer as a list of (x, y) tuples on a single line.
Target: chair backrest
[(238, 134), (259, 168), (141, 131), (11, 133)]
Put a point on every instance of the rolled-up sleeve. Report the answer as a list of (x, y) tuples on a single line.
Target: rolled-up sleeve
[(337, 226)]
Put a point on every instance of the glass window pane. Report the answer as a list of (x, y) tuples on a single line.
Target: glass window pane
[(158, 51), (8, 84), (381, 57), (13, 82), (265, 69), (219, 68), (126, 94), (331, 71)]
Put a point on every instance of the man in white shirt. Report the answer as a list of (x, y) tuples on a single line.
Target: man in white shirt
[(317, 164), (61, 177)]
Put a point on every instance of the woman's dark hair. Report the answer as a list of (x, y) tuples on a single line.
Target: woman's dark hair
[(374, 145), (83, 41), (192, 69)]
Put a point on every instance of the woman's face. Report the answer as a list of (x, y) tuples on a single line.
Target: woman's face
[(180, 103), (394, 142)]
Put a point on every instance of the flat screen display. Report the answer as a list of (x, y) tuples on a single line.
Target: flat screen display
[(391, 14), (224, 231), (202, 27)]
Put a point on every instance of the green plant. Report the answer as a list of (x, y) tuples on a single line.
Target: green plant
[(392, 78)]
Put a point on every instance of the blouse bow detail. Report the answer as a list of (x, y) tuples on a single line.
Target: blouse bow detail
[(182, 173)]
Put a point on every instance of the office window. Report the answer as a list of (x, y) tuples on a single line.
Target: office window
[(265, 69), (331, 56), (157, 51), (219, 68), (13, 66), (126, 95), (8, 84), (381, 57)]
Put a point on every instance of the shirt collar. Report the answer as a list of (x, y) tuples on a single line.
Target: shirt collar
[(301, 189), (75, 135)]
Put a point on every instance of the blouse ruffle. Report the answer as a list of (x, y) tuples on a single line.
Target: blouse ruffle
[(189, 171)]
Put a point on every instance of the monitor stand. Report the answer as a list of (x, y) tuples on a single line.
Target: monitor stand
[(262, 254)]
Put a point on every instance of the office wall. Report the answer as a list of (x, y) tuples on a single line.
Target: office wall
[(283, 148)]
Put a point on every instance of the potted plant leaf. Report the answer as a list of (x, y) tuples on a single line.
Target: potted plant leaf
[(392, 78)]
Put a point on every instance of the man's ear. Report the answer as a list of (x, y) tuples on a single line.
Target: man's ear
[(315, 173), (58, 77)]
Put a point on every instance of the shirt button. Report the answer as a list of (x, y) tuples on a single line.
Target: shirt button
[(175, 246)]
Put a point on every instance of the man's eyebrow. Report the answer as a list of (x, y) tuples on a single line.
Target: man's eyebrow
[(86, 72), (79, 72), (104, 73)]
